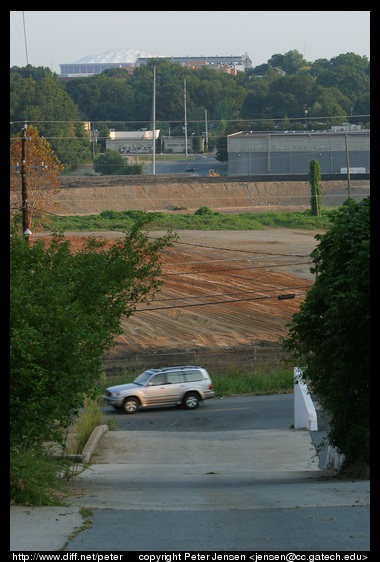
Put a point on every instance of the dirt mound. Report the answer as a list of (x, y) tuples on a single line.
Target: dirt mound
[(219, 305), (92, 195)]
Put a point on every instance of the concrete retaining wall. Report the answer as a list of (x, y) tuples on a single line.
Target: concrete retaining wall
[(305, 415)]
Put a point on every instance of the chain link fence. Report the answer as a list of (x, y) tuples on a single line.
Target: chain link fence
[(257, 356)]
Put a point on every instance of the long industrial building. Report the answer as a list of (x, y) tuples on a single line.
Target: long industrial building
[(290, 153)]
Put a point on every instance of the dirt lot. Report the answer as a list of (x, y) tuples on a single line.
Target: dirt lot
[(219, 303)]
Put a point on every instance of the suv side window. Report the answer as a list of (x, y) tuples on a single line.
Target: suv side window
[(192, 376), (158, 379), (175, 378)]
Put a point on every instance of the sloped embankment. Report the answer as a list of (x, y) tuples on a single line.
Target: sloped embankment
[(91, 195)]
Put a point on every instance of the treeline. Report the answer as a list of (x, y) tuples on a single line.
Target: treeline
[(287, 92)]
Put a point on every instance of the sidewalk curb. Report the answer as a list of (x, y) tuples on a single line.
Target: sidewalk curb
[(91, 444)]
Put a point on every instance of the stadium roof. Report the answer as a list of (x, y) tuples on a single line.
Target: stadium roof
[(128, 59), (120, 56)]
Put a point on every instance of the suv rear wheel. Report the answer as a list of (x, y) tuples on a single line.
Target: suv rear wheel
[(131, 405), (191, 401)]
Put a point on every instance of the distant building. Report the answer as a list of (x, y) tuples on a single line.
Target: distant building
[(346, 127), (132, 142), (96, 64), (230, 63), (290, 153), (179, 145), (128, 60), (141, 142)]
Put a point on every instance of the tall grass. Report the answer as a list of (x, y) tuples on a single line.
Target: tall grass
[(80, 431), (237, 382)]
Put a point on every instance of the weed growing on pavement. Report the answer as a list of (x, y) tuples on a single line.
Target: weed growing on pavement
[(90, 417)]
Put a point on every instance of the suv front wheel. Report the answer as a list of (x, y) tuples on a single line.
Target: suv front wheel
[(191, 401), (131, 405)]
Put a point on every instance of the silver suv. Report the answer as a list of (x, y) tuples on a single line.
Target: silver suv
[(185, 385)]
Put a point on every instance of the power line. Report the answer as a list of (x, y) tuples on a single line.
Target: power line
[(206, 304), (25, 41), (179, 122), (232, 293)]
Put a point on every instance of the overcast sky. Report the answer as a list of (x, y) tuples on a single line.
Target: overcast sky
[(54, 38)]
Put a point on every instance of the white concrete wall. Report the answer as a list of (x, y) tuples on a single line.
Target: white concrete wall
[(305, 415), (334, 459)]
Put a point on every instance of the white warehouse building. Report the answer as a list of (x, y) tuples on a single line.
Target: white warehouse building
[(132, 142), (290, 153)]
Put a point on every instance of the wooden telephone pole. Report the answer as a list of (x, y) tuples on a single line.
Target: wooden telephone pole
[(24, 188)]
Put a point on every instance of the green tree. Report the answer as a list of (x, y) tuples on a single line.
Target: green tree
[(349, 80), (333, 91), (289, 94), (329, 102), (256, 101), (66, 308), (221, 149), (315, 186), (290, 62), (112, 163), (42, 170), (40, 99), (329, 338)]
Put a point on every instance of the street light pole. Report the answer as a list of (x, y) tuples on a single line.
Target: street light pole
[(305, 110), (154, 124), (184, 96)]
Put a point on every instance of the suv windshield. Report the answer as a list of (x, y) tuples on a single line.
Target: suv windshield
[(143, 378)]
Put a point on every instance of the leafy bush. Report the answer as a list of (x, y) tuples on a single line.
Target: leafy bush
[(329, 338), (35, 478), (66, 309), (112, 163), (204, 211)]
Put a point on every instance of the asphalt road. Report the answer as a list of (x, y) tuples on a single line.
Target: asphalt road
[(172, 481), (230, 476), (227, 414), (202, 163), (240, 413)]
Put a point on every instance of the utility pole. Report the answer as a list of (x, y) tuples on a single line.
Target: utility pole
[(348, 168), (24, 188), (206, 130), (154, 125), (184, 96)]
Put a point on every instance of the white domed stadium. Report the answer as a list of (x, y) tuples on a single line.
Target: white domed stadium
[(126, 59), (129, 59)]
